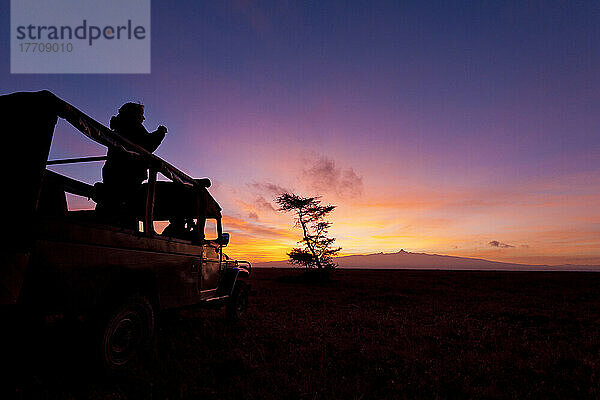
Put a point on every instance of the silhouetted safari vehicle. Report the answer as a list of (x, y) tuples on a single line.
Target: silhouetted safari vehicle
[(82, 263)]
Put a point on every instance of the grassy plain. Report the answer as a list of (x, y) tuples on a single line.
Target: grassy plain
[(367, 334)]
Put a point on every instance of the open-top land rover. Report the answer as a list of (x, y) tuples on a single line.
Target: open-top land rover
[(84, 262)]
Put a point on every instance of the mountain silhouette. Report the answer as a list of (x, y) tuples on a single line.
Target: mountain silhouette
[(407, 260)]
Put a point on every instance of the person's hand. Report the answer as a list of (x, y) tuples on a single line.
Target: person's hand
[(162, 129)]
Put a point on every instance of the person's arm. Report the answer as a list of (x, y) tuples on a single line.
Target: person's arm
[(149, 141), (137, 133), (154, 139)]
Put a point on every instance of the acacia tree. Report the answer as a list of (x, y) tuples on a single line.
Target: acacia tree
[(317, 249)]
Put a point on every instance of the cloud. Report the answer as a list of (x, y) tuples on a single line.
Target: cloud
[(263, 204), (495, 243), (324, 176), (272, 189), (257, 230)]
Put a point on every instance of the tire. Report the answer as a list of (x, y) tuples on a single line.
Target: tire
[(238, 303), (127, 333)]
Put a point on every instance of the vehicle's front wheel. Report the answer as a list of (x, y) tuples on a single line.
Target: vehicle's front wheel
[(127, 333), (238, 303)]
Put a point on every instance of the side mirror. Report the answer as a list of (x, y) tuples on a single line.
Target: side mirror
[(224, 239)]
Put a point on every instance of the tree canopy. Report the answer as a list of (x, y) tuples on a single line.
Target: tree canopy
[(317, 249)]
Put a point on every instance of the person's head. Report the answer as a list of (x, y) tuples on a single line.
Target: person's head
[(132, 111), (177, 221)]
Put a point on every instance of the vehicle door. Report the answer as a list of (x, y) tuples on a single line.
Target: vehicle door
[(211, 256)]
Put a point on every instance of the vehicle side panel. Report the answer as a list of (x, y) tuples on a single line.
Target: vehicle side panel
[(210, 266), (82, 264)]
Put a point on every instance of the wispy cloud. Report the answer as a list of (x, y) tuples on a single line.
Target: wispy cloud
[(268, 188), (495, 243), (263, 204), (324, 176), (257, 229)]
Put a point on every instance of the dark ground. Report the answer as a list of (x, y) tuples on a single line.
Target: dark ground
[(365, 335)]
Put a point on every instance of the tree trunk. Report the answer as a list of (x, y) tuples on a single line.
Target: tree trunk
[(310, 247)]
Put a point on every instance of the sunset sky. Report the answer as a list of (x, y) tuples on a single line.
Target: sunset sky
[(468, 129)]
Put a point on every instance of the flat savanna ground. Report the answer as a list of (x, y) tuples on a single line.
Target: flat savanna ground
[(365, 335)]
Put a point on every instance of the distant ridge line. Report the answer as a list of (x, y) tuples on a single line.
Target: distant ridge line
[(407, 260)]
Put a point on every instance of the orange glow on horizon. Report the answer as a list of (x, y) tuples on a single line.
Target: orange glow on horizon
[(548, 229)]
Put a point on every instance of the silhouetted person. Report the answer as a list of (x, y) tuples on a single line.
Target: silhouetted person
[(123, 173), (192, 228), (177, 228)]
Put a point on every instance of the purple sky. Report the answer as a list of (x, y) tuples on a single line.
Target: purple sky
[(433, 127)]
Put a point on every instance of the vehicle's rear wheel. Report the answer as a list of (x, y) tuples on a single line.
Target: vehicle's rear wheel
[(127, 333), (238, 303)]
